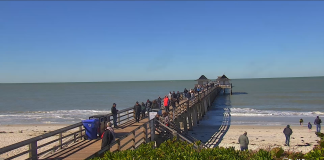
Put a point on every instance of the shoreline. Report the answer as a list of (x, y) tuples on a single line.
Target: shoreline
[(11, 134), (267, 137)]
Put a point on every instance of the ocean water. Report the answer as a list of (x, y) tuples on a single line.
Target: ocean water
[(271, 101), (254, 101), (67, 103)]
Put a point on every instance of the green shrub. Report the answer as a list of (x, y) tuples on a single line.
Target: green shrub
[(180, 150)]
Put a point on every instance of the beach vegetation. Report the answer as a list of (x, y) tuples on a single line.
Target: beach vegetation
[(174, 149)]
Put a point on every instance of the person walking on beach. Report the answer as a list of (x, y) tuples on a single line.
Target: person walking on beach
[(288, 132), (318, 122), (309, 126), (301, 122), (108, 136), (166, 103), (114, 112), (138, 110), (244, 141)]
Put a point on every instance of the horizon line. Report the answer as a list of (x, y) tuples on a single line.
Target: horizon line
[(153, 80)]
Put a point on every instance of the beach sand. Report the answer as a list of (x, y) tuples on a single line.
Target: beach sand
[(11, 134), (265, 137)]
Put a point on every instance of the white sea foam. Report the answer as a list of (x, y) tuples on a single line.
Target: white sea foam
[(58, 116), (254, 112)]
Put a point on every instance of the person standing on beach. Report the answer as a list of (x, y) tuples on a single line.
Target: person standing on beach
[(309, 126), (244, 141), (301, 122), (138, 110), (288, 132), (114, 112), (166, 103), (318, 122)]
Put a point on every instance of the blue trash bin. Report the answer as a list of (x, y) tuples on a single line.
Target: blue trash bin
[(91, 128)]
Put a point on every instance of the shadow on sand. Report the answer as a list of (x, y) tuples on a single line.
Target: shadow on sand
[(215, 124)]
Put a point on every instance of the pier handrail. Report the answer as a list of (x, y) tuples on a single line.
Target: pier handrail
[(32, 142)]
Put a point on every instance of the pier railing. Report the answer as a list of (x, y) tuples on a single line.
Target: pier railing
[(36, 149)]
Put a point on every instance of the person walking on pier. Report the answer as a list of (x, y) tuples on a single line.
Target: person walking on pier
[(138, 110), (108, 136), (173, 103), (188, 95), (185, 92), (318, 122), (159, 102), (178, 97), (288, 132), (114, 112), (170, 95), (143, 110), (166, 119), (148, 105), (166, 103), (244, 141)]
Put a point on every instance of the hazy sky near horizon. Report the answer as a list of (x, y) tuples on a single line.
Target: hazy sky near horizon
[(77, 41)]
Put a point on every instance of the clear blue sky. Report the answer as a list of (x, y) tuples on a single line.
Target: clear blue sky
[(154, 40)]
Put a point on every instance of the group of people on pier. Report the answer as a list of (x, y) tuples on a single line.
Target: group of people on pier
[(140, 109)]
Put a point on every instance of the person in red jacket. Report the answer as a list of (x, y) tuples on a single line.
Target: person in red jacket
[(166, 103)]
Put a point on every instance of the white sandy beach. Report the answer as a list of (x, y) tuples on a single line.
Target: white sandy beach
[(263, 137), (11, 134)]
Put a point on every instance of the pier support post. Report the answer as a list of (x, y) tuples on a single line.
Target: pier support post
[(33, 151), (152, 127), (194, 115), (184, 121), (189, 117)]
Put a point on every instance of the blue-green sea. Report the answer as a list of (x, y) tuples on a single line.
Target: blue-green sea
[(66, 103)]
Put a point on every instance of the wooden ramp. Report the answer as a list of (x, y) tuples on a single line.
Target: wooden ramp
[(85, 148)]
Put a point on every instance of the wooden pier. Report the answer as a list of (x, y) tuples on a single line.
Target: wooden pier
[(129, 135)]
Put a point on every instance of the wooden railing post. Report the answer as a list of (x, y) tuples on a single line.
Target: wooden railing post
[(60, 140), (33, 150), (118, 145), (189, 110), (80, 132), (152, 127), (145, 133), (118, 118), (127, 115), (133, 138), (175, 135)]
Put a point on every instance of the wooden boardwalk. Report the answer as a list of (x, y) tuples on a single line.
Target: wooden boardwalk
[(86, 148), (71, 145)]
